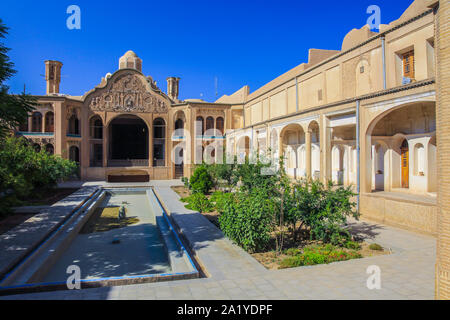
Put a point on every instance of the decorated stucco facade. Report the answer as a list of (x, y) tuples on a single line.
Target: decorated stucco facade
[(82, 127), (364, 116)]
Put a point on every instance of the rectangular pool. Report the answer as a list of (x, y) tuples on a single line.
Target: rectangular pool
[(144, 247)]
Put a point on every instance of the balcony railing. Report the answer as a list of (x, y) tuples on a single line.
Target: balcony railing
[(73, 135), (25, 133), (128, 163)]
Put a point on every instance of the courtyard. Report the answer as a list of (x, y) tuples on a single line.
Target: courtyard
[(231, 273)]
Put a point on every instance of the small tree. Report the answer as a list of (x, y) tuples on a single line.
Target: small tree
[(14, 109), (245, 219), (201, 180)]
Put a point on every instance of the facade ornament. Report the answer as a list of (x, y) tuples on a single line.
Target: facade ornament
[(127, 94)]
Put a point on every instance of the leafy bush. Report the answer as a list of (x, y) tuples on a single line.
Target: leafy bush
[(292, 252), (376, 247), (322, 209), (244, 219), (198, 202), (201, 180), (352, 245), (24, 171), (185, 182), (219, 198), (318, 255)]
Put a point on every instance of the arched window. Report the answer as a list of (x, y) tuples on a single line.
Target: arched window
[(37, 147), (159, 142), (36, 122), (49, 122), (49, 149), (74, 125), (220, 125), (96, 127), (209, 123), (199, 126)]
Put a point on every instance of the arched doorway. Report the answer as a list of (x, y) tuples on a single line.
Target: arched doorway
[(243, 148), (159, 142), (179, 163), (74, 154), (404, 149), (96, 141), (128, 141), (399, 130), (294, 152)]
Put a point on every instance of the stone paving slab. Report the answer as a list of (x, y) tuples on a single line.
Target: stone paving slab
[(408, 273), (19, 241)]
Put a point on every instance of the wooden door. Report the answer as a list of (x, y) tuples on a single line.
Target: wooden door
[(405, 164)]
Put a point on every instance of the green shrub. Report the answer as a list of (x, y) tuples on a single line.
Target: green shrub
[(318, 255), (376, 247), (219, 198), (25, 171), (245, 221), (352, 245), (292, 252), (185, 182), (201, 181), (198, 202), (323, 210)]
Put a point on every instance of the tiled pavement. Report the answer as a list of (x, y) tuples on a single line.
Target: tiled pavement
[(19, 241), (408, 273)]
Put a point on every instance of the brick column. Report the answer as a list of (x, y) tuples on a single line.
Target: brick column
[(443, 144)]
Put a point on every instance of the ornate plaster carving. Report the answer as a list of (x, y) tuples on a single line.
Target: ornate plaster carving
[(210, 112), (127, 93)]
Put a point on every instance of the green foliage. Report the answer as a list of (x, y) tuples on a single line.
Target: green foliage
[(14, 109), (266, 205), (244, 219), (251, 176), (317, 255), (24, 171), (185, 182), (201, 181), (219, 199), (198, 202), (352, 245), (322, 209), (221, 173), (376, 247)]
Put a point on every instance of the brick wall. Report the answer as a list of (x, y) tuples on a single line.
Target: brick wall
[(443, 138)]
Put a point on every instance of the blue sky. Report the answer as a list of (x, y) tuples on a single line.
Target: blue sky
[(239, 42)]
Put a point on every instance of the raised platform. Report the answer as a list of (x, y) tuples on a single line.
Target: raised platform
[(404, 210)]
